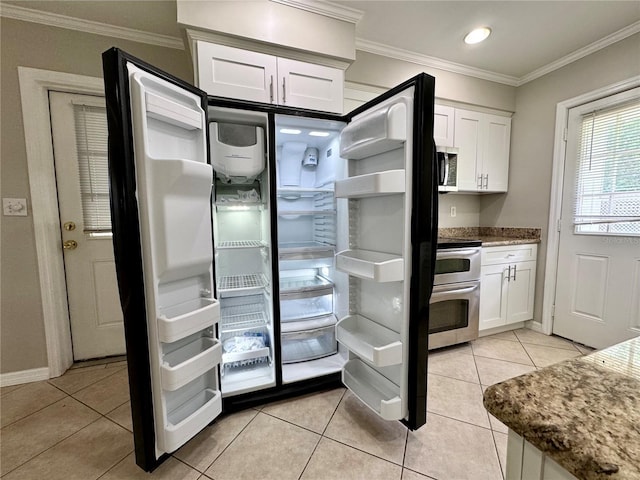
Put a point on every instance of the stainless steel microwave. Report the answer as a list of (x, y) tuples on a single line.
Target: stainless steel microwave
[(447, 169)]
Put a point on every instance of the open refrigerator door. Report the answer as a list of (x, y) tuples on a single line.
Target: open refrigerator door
[(160, 192)]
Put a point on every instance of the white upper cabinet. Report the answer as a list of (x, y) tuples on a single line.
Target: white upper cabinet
[(236, 73), (443, 125), (483, 160), (232, 72)]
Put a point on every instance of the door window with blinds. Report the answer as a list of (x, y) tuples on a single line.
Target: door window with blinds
[(91, 144), (608, 172)]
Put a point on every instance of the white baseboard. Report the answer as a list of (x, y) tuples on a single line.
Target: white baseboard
[(500, 329), (24, 376), (536, 327)]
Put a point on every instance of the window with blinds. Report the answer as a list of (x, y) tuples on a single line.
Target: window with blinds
[(608, 175), (91, 145)]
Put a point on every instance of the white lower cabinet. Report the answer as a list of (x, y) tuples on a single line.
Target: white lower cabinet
[(526, 462), (508, 278)]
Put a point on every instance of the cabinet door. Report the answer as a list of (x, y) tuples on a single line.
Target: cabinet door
[(495, 158), (468, 140), (307, 85), (521, 292), (231, 72), (443, 125), (493, 296)]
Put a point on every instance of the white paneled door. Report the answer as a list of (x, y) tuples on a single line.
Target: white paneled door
[(79, 132), (598, 281)]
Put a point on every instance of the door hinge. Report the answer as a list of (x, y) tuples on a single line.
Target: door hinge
[(559, 224), (565, 134), (553, 311)]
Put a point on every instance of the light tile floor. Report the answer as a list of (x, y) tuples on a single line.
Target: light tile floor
[(78, 426)]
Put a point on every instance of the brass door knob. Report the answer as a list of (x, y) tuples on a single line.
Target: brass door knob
[(70, 245)]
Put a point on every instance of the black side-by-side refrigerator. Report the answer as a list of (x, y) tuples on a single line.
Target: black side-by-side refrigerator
[(265, 251)]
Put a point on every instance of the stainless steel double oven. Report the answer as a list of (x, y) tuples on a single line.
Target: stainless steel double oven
[(455, 302)]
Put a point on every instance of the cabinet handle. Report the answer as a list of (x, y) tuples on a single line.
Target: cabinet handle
[(514, 273), (284, 90), (509, 274), (271, 89), (479, 183), (486, 179)]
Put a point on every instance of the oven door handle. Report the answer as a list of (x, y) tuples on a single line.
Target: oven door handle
[(448, 294), (458, 253)]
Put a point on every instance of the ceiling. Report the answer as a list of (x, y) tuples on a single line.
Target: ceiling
[(527, 36)]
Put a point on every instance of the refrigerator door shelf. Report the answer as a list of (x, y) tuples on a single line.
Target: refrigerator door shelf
[(372, 342), (236, 285), (376, 132), (178, 321), (190, 361), (373, 389), (188, 418), (376, 266), (388, 182)]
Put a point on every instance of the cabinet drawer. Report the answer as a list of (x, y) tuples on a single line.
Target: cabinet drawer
[(509, 254)]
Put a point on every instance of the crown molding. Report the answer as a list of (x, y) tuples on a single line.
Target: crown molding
[(327, 9), (15, 12), (581, 53), (433, 62)]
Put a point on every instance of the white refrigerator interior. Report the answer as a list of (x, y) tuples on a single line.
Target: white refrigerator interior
[(309, 234), (174, 183), (242, 232)]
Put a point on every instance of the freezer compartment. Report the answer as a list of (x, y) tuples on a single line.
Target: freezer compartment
[(376, 266), (308, 340), (183, 319), (372, 342), (240, 285), (309, 304), (196, 410), (372, 184), (378, 131), (373, 389), (188, 359)]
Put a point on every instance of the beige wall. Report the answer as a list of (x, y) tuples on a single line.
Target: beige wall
[(22, 341), (379, 71), (532, 138)]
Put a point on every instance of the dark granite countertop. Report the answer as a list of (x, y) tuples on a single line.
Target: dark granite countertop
[(584, 413), (494, 236)]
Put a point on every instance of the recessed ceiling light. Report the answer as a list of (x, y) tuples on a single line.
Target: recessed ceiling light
[(319, 134), (477, 35), (290, 131)]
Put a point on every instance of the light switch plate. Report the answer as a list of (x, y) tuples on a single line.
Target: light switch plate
[(14, 207)]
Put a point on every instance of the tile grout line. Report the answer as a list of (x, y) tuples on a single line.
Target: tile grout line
[(114, 465), (50, 447), (223, 450)]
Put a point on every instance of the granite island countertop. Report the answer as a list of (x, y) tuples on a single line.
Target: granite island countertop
[(584, 413), (494, 236)]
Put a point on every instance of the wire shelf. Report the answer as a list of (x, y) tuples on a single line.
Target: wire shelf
[(240, 244), (246, 321), (241, 282)]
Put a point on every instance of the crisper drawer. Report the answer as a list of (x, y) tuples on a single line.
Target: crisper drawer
[(306, 304), (308, 340)]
